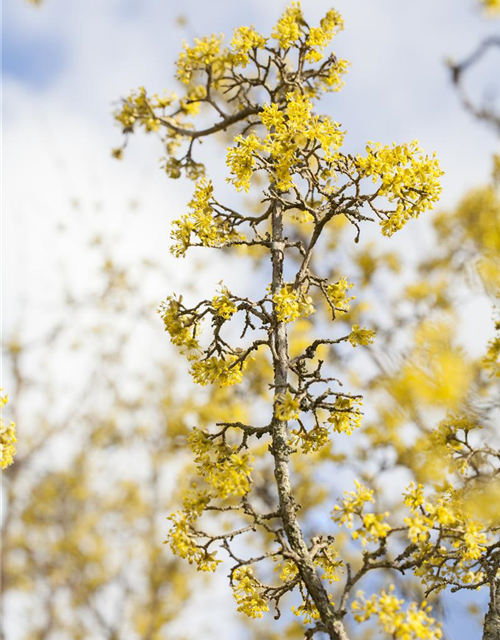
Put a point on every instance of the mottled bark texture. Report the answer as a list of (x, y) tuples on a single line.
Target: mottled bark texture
[(491, 629), (281, 452)]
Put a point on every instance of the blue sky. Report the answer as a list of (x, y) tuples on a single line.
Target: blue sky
[(66, 63)]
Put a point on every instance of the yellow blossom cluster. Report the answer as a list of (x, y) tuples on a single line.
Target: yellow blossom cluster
[(291, 30), (312, 440), (337, 294), (463, 539), (418, 527), (205, 53), (182, 328), (345, 415), (287, 407), (247, 595), (138, 108), (224, 305), (288, 570), (289, 27), (414, 497), (440, 452), (406, 177), (362, 337), (413, 624), (334, 79), (226, 472), (242, 161), (201, 222), (320, 37), (296, 130), (290, 304), (372, 527), (191, 102), (331, 563), (447, 442), (231, 476), (208, 55), (352, 504), (7, 437), (183, 545), (307, 611), (447, 513), (292, 131), (221, 466), (225, 371), (244, 40), (194, 501)]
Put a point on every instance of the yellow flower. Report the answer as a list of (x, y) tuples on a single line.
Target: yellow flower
[(320, 37), (182, 328), (183, 545), (418, 527), (345, 416), (307, 611), (331, 563), (241, 160), (311, 441), (201, 223), (413, 624), (7, 438), (406, 177), (352, 504), (374, 525), (337, 294), (244, 40), (271, 116), (288, 29), (205, 52), (361, 336), (291, 304), (287, 407), (224, 371), (223, 304), (246, 593), (414, 496)]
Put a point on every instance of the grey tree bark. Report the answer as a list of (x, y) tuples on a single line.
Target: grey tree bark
[(491, 630), (281, 452)]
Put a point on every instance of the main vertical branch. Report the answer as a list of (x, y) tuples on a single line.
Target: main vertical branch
[(491, 629), (281, 450)]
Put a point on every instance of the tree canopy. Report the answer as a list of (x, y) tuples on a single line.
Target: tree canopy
[(325, 438)]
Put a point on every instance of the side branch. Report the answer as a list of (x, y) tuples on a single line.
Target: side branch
[(220, 126)]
